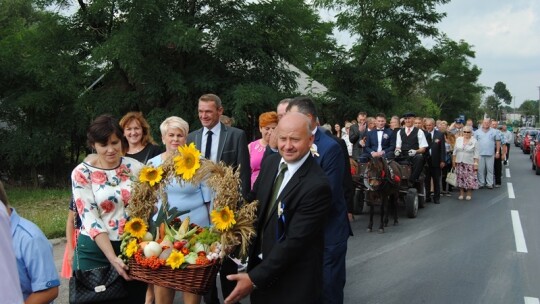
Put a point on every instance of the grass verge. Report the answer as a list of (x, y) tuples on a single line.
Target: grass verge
[(47, 208)]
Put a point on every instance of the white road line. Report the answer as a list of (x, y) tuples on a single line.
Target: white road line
[(529, 300), (510, 190), (508, 172), (521, 246)]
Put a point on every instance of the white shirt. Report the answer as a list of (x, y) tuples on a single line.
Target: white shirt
[(291, 170), (10, 289), (379, 140), (422, 142), (216, 130)]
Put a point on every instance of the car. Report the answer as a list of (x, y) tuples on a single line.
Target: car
[(519, 136), (536, 155), (526, 142)]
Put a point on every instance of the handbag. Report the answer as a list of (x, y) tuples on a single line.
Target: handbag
[(96, 285), (451, 178)]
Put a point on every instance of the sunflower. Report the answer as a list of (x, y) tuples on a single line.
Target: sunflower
[(151, 175), (187, 163), (223, 218), (132, 247), (136, 227), (175, 260)]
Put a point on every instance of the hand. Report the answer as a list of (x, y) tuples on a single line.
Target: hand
[(122, 268), (412, 152), (244, 286), (273, 142), (442, 164), (497, 155), (397, 152)]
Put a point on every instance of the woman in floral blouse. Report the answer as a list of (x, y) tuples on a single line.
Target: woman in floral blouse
[(101, 191)]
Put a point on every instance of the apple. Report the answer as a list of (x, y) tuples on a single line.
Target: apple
[(179, 244)]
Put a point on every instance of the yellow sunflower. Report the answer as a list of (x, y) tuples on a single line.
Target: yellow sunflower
[(137, 227), (151, 175), (187, 163), (223, 218), (175, 260), (132, 247)]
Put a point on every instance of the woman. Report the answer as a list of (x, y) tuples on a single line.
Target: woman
[(345, 137), (142, 146), (337, 130), (196, 198), (449, 142), (465, 162), (267, 123), (101, 191)]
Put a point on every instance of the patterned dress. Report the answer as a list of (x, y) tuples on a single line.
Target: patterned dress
[(467, 177)]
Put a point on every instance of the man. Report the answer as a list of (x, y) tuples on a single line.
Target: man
[(410, 145), (509, 138), (281, 110), (357, 136), (457, 130), (488, 143), (38, 277), (497, 162), (436, 160), (331, 158), (219, 142), (380, 142), (286, 258)]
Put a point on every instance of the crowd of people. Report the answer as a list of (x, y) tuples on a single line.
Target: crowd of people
[(299, 172)]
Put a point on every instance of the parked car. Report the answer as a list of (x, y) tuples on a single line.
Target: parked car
[(536, 154), (526, 142)]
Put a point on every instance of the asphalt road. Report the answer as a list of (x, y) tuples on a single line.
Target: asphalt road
[(455, 252)]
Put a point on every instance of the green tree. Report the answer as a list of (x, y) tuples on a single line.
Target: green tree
[(502, 92), (529, 107)]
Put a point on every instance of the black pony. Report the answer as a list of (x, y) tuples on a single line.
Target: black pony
[(382, 179)]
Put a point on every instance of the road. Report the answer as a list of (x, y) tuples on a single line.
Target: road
[(454, 252)]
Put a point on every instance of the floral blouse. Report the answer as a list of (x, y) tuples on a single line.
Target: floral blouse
[(101, 196)]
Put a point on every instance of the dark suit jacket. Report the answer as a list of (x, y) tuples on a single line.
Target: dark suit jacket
[(388, 143), (232, 150), (292, 267), (355, 135), (331, 160), (437, 148)]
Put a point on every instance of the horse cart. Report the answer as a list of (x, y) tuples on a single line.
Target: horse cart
[(375, 181)]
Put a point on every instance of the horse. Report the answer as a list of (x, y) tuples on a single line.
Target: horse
[(382, 179)]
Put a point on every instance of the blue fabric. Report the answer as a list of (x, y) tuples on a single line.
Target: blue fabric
[(334, 272), (34, 254), (486, 141), (187, 197)]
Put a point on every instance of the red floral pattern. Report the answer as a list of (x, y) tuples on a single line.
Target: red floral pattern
[(107, 206), (123, 173), (80, 178), (98, 177), (126, 195)]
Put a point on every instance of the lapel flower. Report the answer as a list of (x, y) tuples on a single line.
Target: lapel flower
[(313, 150), (280, 209), (385, 136), (437, 141)]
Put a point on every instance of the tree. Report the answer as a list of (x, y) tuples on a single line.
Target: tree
[(502, 92), (529, 107)]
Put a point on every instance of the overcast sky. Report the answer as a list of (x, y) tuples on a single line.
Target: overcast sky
[(505, 34)]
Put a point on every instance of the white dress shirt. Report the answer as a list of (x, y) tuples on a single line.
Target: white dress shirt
[(216, 130)]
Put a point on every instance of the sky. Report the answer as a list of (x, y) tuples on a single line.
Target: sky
[(505, 36)]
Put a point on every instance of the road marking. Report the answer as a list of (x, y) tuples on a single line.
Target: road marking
[(529, 300), (508, 172), (510, 190), (521, 246)]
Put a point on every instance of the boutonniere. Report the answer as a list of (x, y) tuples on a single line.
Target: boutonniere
[(280, 209), (385, 136), (313, 150), (437, 141)]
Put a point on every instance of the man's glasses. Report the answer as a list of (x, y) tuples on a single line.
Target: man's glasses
[(466, 131)]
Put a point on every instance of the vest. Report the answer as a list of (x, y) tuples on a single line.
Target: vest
[(409, 142)]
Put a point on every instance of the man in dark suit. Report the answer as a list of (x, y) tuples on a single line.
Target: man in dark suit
[(380, 142), (357, 134), (331, 158), (219, 142), (436, 157), (286, 258)]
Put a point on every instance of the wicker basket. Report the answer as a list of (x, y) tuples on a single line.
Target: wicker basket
[(197, 279)]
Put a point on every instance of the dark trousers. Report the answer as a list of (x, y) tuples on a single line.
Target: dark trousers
[(227, 267), (433, 173), (417, 163), (497, 170), (507, 151), (334, 272)]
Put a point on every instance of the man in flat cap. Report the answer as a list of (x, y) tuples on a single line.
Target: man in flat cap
[(411, 143)]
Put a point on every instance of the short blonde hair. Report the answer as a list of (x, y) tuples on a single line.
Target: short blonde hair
[(174, 122)]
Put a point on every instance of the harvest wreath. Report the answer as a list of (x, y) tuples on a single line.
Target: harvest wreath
[(178, 254)]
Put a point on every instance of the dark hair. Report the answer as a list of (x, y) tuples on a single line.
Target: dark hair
[(211, 97), (361, 113), (102, 128), (304, 104), (380, 115)]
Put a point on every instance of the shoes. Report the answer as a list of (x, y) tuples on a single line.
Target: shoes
[(497, 186), (448, 194), (428, 199), (436, 201), (505, 163), (468, 197), (490, 187), (460, 197)]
